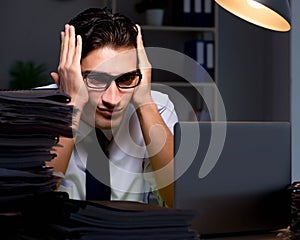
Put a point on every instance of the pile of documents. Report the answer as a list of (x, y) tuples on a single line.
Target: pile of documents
[(124, 220), (31, 122), (56, 217), (53, 216), (295, 209)]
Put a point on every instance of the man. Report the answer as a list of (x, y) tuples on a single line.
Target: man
[(104, 68)]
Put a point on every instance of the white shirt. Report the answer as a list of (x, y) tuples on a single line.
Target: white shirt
[(129, 166)]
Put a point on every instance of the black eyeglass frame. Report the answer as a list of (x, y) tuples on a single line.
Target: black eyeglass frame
[(136, 72)]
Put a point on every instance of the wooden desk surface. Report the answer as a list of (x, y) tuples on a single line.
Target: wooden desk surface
[(276, 235), (250, 237)]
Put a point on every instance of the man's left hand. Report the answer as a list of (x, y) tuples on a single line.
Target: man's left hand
[(142, 93)]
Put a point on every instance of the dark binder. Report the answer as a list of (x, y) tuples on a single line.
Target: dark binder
[(195, 49), (198, 13), (203, 15), (202, 51), (210, 58), (36, 111), (209, 13), (31, 122), (51, 94), (187, 17)]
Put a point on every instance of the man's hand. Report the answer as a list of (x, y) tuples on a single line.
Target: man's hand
[(69, 78), (142, 93)]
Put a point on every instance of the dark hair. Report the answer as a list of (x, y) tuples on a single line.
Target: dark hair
[(99, 27)]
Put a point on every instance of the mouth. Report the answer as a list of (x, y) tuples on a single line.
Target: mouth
[(109, 112)]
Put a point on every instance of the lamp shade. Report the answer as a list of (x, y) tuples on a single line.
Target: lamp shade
[(270, 14)]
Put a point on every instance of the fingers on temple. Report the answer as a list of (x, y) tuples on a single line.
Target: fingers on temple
[(142, 55), (71, 45), (78, 48), (139, 40), (64, 45)]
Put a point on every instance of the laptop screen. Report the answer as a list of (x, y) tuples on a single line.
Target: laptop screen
[(244, 186)]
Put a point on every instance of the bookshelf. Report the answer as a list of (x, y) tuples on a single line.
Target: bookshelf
[(187, 94)]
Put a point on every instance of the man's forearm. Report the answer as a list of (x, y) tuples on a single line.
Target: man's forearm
[(159, 141), (66, 145), (63, 152)]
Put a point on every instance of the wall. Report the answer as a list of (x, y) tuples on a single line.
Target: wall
[(30, 30), (295, 89), (254, 70), (263, 82), (255, 85)]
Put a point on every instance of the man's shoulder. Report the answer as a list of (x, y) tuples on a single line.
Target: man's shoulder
[(159, 97)]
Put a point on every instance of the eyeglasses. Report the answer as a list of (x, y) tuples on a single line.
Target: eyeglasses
[(99, 80)]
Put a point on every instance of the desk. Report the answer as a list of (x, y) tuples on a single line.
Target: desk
[(250, 237), (268, 236)]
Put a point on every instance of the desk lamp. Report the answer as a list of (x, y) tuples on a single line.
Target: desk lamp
[(270, 14)]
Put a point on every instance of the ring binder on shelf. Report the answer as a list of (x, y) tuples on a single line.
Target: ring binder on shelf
[(201, 51)]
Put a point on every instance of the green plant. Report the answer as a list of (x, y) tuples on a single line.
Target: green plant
[(27, 75), (144, 5)]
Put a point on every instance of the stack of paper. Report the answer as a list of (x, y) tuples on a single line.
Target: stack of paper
[(295, 210), (53, 216), (124, 220), (31, 123)]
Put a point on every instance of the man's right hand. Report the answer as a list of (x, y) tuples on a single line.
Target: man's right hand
[(69, 78)]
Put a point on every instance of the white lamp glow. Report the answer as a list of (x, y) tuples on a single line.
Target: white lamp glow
[(271, 14), (254, 4)]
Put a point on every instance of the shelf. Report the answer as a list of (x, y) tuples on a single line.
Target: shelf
[(177, 28), (185, 95), (179, 84)]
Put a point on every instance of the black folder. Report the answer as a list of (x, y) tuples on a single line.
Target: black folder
[(31, 123), (125, 220)]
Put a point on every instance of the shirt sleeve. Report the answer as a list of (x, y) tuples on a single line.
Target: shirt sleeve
[(165, 108)]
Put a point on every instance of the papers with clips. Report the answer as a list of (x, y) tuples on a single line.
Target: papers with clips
[(295, 210), (124, 220), (31, 122)]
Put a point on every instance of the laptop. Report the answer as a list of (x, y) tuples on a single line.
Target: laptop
[(234, 175)]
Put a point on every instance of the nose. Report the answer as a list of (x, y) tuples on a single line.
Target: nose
[(111, 95)]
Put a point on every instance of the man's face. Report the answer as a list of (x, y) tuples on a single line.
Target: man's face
[(109, 104)]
